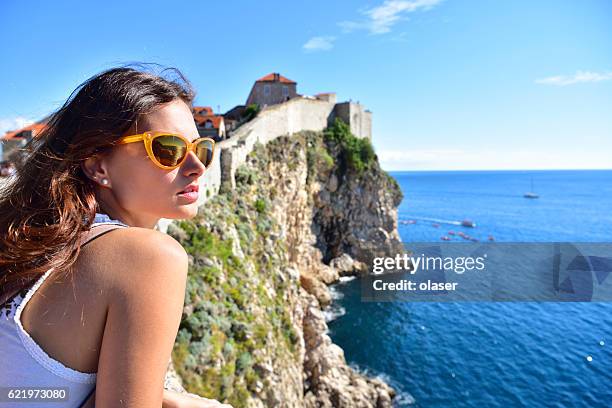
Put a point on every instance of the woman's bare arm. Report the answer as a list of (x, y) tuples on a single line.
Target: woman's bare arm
[(146, 291), (178, 400)]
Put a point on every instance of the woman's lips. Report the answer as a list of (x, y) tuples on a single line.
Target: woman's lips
[(190, 196), (193, 187)]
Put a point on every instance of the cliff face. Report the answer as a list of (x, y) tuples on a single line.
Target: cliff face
[(307, 209)]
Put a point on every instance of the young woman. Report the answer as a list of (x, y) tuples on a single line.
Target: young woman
[(91, 292)]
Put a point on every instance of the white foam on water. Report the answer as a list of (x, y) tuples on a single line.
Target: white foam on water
[(335, 293), (333, 312), (402, 398), (439, 221)]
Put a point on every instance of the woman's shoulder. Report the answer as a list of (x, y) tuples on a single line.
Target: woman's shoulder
[(136, 256)]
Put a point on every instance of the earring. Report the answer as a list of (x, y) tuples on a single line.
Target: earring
[(104, 181)]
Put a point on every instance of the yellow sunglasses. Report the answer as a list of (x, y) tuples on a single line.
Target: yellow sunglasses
[(169, 150)]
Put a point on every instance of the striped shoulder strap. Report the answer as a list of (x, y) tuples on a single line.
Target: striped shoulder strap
[(98, 230)]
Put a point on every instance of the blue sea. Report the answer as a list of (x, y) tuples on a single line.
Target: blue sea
[(489, 354)]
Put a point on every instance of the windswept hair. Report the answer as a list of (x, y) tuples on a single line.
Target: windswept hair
[(49, 202)]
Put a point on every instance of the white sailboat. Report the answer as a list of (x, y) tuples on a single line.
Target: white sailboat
[(531, 193)]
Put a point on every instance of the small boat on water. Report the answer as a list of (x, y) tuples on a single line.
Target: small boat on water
[(531, 194), (491, 238), (451, 232), (445, 238), (468, 223), (406, 222), (435, 225)]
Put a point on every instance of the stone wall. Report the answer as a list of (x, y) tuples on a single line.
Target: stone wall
[(358, 118)]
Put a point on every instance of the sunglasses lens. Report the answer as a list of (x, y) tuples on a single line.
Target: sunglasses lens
[(168, 150), (204, 151)]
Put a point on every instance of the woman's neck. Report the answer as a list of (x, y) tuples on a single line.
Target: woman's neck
[(133, 220)]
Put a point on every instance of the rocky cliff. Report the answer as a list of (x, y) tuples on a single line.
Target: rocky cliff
[(306, 209)]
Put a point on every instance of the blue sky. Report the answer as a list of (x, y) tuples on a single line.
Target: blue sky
[(452, 84)]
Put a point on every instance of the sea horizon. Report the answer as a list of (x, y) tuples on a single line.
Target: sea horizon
[(489, 170)]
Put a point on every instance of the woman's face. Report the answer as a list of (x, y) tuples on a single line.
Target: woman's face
[(139, 193)]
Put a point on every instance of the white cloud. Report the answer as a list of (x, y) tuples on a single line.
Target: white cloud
[(578, 77), (319, 44), (349, 26), (380, 19), (8, 124)]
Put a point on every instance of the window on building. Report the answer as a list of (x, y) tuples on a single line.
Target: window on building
[(267, 90), (208, 124), (285, 90)]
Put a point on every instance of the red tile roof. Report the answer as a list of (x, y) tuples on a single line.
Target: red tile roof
[(202, 110), (203, 113), (275, 76), (36, 128), (215, 119)]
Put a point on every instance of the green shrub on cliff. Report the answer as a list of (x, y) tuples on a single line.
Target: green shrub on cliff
[(319, 159), (357, 152), (260, 205)]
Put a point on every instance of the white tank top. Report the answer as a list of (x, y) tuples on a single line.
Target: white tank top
[(23, 363)]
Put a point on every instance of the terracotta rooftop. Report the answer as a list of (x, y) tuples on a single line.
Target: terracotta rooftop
[(215, 119), (202, 110), (275, 77), (36, 128)]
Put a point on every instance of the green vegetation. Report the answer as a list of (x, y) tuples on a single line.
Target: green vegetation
[(260, 205), (358, 153), (318, 159), (250, 112)]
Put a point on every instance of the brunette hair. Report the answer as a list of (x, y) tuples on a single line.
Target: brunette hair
[(50, 201)]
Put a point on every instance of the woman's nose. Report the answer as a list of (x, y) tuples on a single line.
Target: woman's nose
[(193, 163)]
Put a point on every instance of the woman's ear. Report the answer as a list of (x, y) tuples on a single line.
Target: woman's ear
[(95, 169)]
